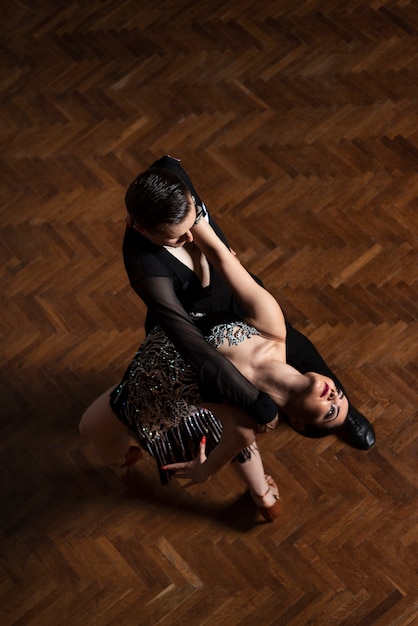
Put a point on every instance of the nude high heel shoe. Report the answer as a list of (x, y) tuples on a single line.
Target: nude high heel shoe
[(270, 513), (133, 455)]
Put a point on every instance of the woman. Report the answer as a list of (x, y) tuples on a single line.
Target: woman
[(158, 398), (304, 399)]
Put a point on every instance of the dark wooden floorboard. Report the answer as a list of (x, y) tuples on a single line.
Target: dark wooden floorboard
[(298, 123)]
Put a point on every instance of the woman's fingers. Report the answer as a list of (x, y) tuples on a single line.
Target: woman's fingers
[(200, 458), (190, 469), (202, 450), (176, 466)]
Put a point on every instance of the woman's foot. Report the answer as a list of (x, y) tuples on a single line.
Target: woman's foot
[(269, 503), (133, 455)]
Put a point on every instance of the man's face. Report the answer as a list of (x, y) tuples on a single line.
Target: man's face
[(172, 235)]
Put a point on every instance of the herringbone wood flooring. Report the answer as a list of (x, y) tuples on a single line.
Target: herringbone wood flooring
[(298, 123)]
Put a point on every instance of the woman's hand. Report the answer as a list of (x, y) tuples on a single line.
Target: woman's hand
[(194, 470)]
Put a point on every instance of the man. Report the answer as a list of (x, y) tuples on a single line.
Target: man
[(175, 282)]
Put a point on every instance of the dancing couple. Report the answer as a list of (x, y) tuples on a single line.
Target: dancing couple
[(219, 362)]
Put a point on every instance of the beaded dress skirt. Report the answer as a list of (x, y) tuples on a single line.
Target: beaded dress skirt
[(159, 400)]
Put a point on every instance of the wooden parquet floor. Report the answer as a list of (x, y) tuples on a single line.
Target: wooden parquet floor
[(298, 123)]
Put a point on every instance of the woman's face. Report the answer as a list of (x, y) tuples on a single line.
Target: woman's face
[(323, 404)]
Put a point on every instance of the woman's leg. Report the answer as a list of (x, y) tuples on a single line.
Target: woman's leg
[(239, 428), (110, 438), (262, 488)]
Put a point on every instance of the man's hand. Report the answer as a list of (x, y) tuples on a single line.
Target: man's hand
[(194, 470), (266, 428)]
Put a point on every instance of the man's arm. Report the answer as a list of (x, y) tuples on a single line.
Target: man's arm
[(220, 379), (215, 373)]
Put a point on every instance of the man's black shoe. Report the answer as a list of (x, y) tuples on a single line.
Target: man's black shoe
[(356, 430)]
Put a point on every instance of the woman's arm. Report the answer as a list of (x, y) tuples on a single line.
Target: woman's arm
[(238, 432), (265, 312)]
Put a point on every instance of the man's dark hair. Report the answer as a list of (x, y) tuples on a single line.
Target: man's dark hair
[(157, 197)]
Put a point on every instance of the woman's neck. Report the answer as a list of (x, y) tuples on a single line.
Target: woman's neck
[(280, 380)]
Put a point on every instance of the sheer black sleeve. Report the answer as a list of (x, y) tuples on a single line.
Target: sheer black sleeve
[(219, 379)]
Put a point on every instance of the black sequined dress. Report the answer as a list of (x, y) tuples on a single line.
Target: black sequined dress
[(159, 399)]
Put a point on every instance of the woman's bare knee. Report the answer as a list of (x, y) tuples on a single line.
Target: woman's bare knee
[(98, 420)]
